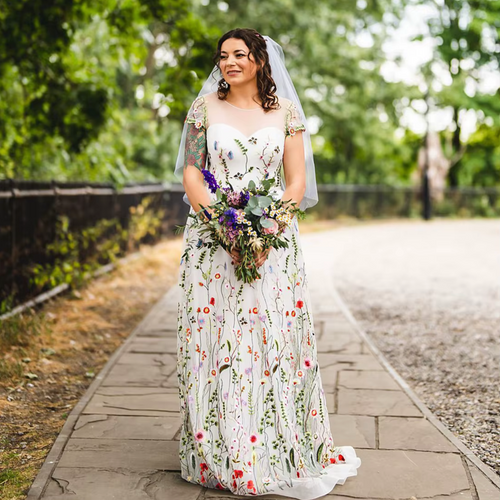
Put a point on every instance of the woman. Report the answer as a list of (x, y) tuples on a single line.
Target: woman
[(254, 417)]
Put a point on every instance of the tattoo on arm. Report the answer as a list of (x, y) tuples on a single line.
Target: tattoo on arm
[(196, 147)]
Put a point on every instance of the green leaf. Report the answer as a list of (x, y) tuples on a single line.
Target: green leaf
[(253, 202), (319, 450), (264, 201), (292, 456), (222, 368), (265, 222), (251, 186)]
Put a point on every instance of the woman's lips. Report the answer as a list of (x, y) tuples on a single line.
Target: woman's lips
[(230, 73)]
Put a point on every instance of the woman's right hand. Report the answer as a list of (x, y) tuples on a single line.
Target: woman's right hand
[(235, 256)]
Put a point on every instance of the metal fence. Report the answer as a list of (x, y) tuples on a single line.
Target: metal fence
[(378, 201), (29, 212)]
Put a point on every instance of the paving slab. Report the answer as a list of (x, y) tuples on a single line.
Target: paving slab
[(344, 343), (141, 375), (375, 402), (406, 474), (353, 430), (120, 484), (137, 358), (485, 489), (125, 427), (131, 454), (145, 401), (154, 345), (367, 379), (402, 433)]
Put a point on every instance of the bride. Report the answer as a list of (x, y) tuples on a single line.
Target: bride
[(253, 410)]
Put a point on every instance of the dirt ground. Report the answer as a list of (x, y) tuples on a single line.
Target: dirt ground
[(76, 334)]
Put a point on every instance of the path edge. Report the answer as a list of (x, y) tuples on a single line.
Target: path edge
[(485, 469), (44, 475)]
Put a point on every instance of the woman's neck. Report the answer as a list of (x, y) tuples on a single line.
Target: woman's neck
[(244, 96)]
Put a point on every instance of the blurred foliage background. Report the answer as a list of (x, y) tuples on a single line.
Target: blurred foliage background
[(98, 90)]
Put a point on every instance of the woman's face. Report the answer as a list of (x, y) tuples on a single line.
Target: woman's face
[(235, 65)]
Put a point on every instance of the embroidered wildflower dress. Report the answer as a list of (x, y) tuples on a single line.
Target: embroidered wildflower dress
[(253, 411)]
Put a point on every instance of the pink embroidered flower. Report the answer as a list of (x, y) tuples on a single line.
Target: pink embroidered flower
[(307, 363), (200, 435)]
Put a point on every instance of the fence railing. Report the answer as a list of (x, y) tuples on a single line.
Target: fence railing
[(31, 214)]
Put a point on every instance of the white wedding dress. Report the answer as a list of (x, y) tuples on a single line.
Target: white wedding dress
[(254, 416)]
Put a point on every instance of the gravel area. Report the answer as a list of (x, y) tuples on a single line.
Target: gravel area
[(428, 294)]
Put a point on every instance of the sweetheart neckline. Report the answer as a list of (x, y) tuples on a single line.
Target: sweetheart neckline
[(240, 132)]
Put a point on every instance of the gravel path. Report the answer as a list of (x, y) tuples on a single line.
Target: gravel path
[(428, 293)]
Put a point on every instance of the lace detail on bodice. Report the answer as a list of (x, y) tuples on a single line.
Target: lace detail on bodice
[(244, 144)]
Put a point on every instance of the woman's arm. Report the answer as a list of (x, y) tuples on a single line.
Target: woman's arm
[(195, 155), (294, 166)]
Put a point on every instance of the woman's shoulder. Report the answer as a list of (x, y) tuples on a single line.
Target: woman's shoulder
[(285, 103)]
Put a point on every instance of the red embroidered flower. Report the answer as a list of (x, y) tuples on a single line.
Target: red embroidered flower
[(206, 310), (203, 480), (200, 283), (238, 473), (212, 301), (250, 485), (255, 310), (332, 460), (341, 458), (300, 304), (203, 466), (217, 276), (199, 310), (293, 313), (219, 486)]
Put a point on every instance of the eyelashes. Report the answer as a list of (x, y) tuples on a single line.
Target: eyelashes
[(237, 55)]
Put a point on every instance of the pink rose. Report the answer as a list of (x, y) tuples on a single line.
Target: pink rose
[(271, 230)]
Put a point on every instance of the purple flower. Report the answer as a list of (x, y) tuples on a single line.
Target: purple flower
[(230, 214), (244, 197), (210, 180), (230, 155)]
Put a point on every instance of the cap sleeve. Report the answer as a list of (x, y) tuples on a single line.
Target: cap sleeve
[(294, 121), (197, 113)]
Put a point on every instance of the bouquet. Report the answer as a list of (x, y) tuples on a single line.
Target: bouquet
[(250, 220)]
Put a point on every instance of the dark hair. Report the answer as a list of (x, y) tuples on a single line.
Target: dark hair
[(257, 47)]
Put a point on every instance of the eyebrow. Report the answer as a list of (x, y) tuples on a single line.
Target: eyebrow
[(237, 50)]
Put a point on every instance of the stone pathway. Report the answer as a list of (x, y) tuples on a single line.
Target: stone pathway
[(121, 440)]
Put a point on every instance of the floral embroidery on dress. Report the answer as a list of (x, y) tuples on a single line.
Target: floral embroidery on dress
[(294, 122), (252, 404), (197, 113)]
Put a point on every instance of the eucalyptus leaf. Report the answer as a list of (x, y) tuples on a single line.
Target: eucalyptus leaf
[(265, 201), (265, 222)]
